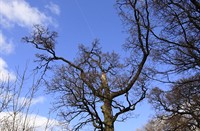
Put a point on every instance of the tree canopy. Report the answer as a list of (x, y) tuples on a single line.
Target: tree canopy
[(100, 88)]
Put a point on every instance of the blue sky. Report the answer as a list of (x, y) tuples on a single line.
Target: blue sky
[(76, 21)]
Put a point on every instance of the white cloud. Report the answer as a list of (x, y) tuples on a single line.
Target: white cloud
[(5, 46), (34, 101), (39, 123), (5, 74), (38, 100), (12, 13), (21, 13), (53, 8)]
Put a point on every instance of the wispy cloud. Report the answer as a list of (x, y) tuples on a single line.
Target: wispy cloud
[(53, 8), (6, 47), (38, 100), (21, 13), (5, 74), (33, 101)]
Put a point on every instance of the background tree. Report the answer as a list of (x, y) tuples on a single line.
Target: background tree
[(180, 106), (98, 88), (14, 107), (179, 47), (175, 32), (179, 35), (177, 109), (4, 95), (154, 125), (16, 99)]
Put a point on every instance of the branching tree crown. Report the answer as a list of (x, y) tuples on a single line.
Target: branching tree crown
[(179, 38), (97, 87), (179, 107)]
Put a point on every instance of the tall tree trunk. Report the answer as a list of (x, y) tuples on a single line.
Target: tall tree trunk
[(108, 116), (107, 107)]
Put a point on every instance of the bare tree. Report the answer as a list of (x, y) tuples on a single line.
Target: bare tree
[(155, 125), (179, 41), (180, 106), (4, 95), (98, 88), (13, 105), (179, 35), (16, 99), (174, 28), (177, 109)]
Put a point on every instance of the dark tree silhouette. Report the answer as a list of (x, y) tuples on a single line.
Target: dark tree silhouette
[(179, 108), (98, 88), (101, 88), (178, 47), (176, 35), (179, 38)]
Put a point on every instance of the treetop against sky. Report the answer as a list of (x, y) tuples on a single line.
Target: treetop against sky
[(105, 55), (77, 22)]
